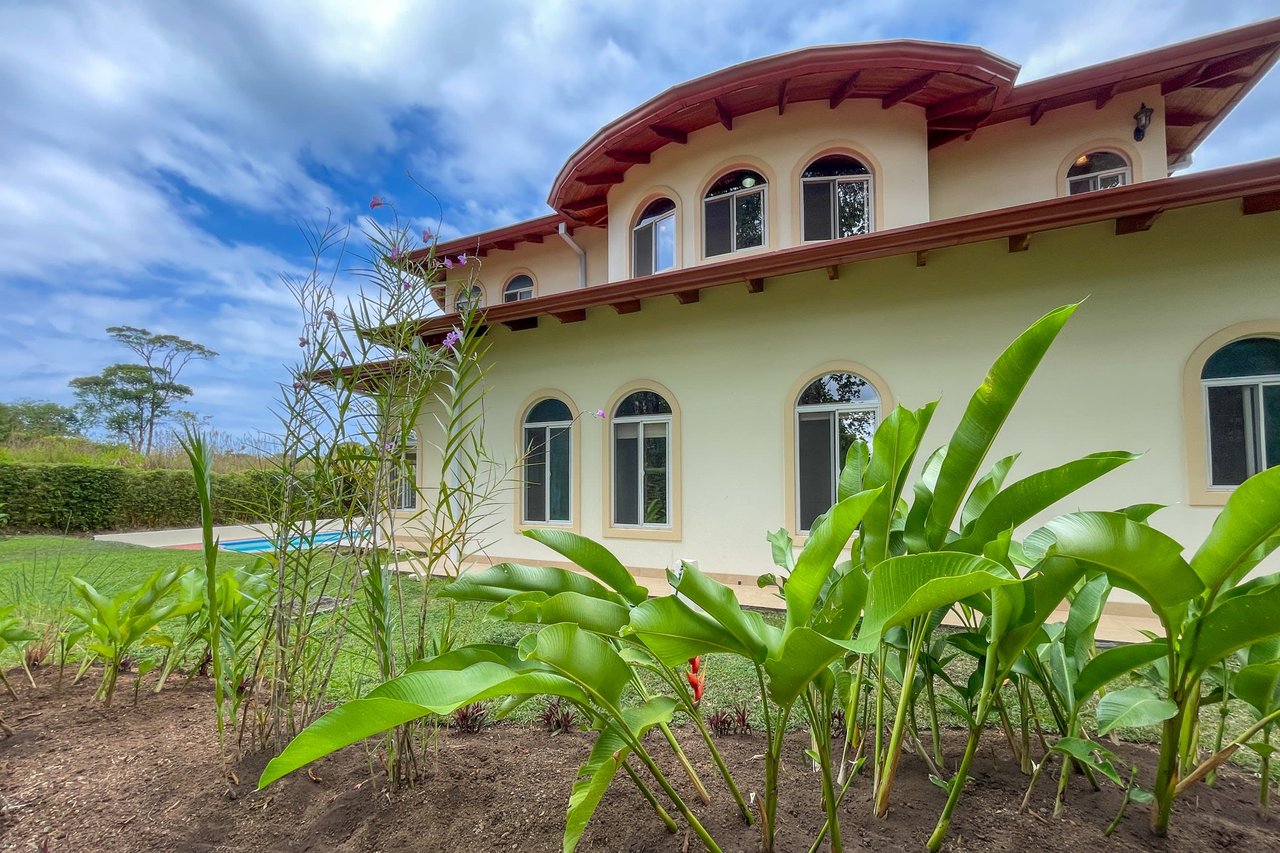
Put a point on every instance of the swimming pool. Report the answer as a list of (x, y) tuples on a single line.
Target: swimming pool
[(249, 546)]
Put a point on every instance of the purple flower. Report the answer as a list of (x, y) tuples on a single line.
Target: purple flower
[(389, 446), (427, 236), (330, 315), (299, 385), (448, 263), (302, 342), (451, 340), (462, 260), (600, 414), (375, 203), (395, 253)]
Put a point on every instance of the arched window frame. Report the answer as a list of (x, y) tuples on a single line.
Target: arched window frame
[(1093, 179), (466, 293), (524, 428), (792, 415), (651, 225), (404, 474), (761, 188), (1200, 490), (866, 181), (508, 289), (671, 531)]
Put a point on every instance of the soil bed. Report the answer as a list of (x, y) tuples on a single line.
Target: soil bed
[(80, 777)]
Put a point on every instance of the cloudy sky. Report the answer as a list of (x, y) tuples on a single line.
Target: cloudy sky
[(156, 157)]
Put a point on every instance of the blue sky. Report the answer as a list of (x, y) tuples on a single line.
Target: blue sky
[(156, 157)]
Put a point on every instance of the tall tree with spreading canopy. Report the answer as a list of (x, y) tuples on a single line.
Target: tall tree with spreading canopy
[(22, 419), (131, 400)]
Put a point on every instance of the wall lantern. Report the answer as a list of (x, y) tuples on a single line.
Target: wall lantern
[(1141, 121)]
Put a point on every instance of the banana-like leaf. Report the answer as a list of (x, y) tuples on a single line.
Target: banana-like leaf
[(675, 632), (922, 499), (903, 588), (893, 450), (721, 604), (1112, 663), (826, 540), (1140, 512), (803, 656), (780, 544), (1091, 755), (855, 469), (582, 657), (593, 614), (987, 411), (1235, 623), (1244, 532), (593, 558), (1034, 494), (1083, 618), (463, 657), (987, 487), (1025, 606), (500, 582), (842, 603), (1258, 685), (1134, 556), (1132, 707)]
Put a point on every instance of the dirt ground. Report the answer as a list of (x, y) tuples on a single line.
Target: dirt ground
[(79, 777)]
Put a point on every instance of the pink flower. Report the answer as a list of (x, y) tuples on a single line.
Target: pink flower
[(451, 340), (462, 260), (427, 236), (330, 315), (395, 253), (375, 203), (302, 342), (600, 414), (299, 385), (448, 263)]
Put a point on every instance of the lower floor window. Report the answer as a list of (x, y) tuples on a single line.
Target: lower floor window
[(1242, 400), (547, 467), (642, 461), (404, 476), (833, 412)]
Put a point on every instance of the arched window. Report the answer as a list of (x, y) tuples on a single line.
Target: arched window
[(831, 412), (548, 485), (642, 461), (1098, 170), (653, 240), (404, 474), (520, 287), (734, 213), (1242, 401), (835, 198), (468, 297)]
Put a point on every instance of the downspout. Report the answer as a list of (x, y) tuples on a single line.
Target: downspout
[(582, 256)]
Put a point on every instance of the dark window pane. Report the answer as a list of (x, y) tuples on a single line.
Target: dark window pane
[(1249, 357), (743, 179), (1271, 423), (626, 466), (852, 209), (558, 474), (1228, 440), (549, 410), (719, 225), (1097, 161), (814, 466), (655, 209), (817, 210), (535, 462), (655, 473), (642, 251), (520, 287), (835, 165), (750, 220), (838, 388), (642, 403)]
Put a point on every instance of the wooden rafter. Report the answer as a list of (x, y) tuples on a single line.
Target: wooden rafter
[(906, 90), (1104, 96), (1037, 112), (1019, 242), (723, 113), (585, 204), (1260, 203), (601, 180), (782, 95), (844, 89), (629, 157), (534, 238), (520, 324), (626, 306), (1184, 118), (575, 315), (1135, 222), (959, 104), (755, 285), (505, 245), (688, 297), (670, 133)]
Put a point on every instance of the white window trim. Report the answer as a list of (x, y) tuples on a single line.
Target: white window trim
[(1094, 178), (641, 420), (464, 293), (652, 224), (546, 427), (398, 479), (507, 291), (1270, 379), (763, 189), (836, 461), (838, 179)]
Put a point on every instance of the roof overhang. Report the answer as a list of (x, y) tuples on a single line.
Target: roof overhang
[(1133, 208)]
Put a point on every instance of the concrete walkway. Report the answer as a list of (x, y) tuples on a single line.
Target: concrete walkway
[(185, 538)]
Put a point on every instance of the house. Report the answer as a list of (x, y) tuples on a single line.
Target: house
[(749, 270)]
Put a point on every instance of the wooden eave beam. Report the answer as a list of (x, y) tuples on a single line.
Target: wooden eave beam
[(723, 113), (1182, 81), (670, 133), (1210, 74), (586, 204), (833, 272), (1037, 112), (506, 245), (688, 297), (907, 89), (1225, 82), (534, 238), (573, 315), (1136, 222), (844, 90), (1019, 242), (782, 95), (1104, 96), (755, 285), (1182, 118), (958, 104), (519, 324), (1261, 203), (601, 180), (922, 258), (626, 306), (639, 158)]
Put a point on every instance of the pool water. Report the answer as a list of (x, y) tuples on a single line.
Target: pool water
[(249, 546)]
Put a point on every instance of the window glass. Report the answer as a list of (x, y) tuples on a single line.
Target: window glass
[(832, 412), (655, 473), (653, 240), (466, 298), (1242, 399), (548, 487), (734, 213), (549, 410), (626, 473), (1097, 170), (642, 461), (1248, 357), (520, 287), (404, 475), (838, 388), (836, 192), (642, 403)]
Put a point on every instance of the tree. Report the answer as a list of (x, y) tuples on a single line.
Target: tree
[(36, 419), (131, 400)]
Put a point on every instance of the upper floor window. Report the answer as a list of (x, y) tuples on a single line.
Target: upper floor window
[(734, 213), (653, 240), (835, 198), (1242, 400), (404, 475), (468, 297), (642, 461), (520, 287), (547, 487), (831, 412), (1098, 170)]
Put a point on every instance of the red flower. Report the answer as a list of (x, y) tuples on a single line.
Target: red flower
[(696, 682), (695, 664), (375, 202)]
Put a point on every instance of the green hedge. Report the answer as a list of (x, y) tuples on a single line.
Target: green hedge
[(86, 498)]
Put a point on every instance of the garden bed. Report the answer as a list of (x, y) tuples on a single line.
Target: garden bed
[(78, 777)]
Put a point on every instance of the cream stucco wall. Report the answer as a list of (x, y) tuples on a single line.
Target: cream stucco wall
[(1015, 162), (1113, 380)]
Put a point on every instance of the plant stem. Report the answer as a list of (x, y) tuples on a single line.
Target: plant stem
[(822, 734), (1035, 777), (1124, 804), (653, 801), (890, 769), (989, 683)]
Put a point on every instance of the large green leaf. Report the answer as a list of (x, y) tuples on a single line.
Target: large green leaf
[(1244, 530), (721, 604), (594, 558), (593, 614), (1091, 755), (1258, 685), (1235, 623), (893, 450), (1027, 605), (987, 487), (842, 603), (1134, 556), (922, 500), (903, 588), (465, 656), (1034, 494), (855, 469), (987, 411), (1112, 663), (675, 632), (829, 536), (500, 582), (1083, 618), (804, 654), (1132, 707), (582, 657)]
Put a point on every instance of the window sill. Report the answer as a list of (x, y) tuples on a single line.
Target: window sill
[(571, 526), (1209, 497), (662, 534)]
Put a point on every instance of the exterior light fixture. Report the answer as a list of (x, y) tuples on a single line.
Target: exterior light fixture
[(1141, 121), (748, 182)]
